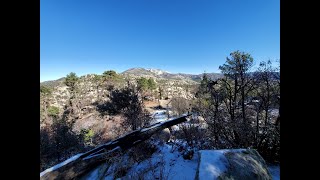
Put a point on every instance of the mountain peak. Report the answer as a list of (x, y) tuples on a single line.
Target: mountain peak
[(157, 71), (139, 70)]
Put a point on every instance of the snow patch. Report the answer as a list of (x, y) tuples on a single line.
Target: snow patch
[(61, 164), (159, 116), (157, 71), (174, 166)]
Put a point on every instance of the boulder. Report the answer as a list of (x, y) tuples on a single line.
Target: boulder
[(232, 164), (164, 135)]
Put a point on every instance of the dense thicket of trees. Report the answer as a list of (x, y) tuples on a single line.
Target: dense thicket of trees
[(237, 107)]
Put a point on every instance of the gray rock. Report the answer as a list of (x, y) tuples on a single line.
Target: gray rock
[(164, 135), (232, 164)]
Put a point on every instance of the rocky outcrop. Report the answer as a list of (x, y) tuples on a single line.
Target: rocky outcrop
[(232, 164), (164, 135)]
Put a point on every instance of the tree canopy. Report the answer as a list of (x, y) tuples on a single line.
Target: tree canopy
[(110, 74), (151, 84), (44, 90), (53, 111), (145, 84), (71, 80), (238, 63), (142, 83)]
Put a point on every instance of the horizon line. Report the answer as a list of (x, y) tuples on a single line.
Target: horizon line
[(135, 68)]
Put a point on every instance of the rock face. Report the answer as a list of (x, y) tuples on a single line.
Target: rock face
[(232, 164)]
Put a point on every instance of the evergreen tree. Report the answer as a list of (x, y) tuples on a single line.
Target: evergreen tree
[(151, 84), (142, 84), (71, 80)]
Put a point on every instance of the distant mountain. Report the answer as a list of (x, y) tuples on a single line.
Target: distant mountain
[(158, 73), (198, 77), (274, 75), (161, 74), (154, 73), (53, 83), (141, 72)]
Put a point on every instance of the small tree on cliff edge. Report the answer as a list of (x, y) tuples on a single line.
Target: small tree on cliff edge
[(71, 80)]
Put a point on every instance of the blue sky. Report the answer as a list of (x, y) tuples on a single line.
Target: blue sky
[(188, 36)]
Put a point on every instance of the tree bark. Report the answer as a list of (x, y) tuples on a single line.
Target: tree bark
[(96, 156)]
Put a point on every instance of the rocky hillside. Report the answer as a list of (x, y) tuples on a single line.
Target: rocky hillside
[(87, 89), (173, 85), (91, 90)]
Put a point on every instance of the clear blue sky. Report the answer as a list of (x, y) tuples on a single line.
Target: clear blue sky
[(188, 36)]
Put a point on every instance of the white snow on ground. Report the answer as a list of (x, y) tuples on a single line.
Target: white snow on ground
[(159, 116), (275, 172), (213, 163), (175, 167), (60, 164), (172, 164)]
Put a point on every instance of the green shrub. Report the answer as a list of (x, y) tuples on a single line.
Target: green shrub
[(53, 111), (87, 135)]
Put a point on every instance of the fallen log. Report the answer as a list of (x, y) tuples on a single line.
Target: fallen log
[(88, 160)]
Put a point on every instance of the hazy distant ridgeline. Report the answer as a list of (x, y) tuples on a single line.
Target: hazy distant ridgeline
[(155, 73)]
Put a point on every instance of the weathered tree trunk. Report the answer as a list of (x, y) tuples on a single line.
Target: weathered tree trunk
[(267, 102), (257, 128), (94, 157), (235, 98)]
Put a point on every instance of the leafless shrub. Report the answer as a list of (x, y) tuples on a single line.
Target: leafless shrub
[(142, 151), (180, 105)]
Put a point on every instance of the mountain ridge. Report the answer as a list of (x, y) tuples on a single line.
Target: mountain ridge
[(154, 73), (157, 73)]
